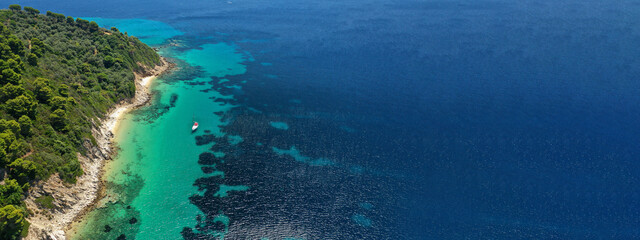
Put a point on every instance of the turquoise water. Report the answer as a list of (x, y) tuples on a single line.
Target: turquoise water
[(361, 220), (296, 155), (405, 120), (151, 178), (279, 125)]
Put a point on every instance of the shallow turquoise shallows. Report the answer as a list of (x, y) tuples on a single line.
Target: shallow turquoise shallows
[(149, 182)]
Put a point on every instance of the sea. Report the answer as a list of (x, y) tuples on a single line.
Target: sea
[(376, 119)]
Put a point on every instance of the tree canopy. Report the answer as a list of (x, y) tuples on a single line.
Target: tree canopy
[(57, 76), (12, 222), (31, 10)]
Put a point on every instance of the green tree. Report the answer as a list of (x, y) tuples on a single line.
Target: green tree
[(4, 30), (3, 153), (58, 119), (58, 102), (56, 16), (42, 90), (25, 125), (44, 94), (16, 45), (102, 77), (18, 148), (109, 61), (10, 91), (72, 101), (22, 105), (32, 59), (5, 51), (63, 90), (70, 171), (37, 50), (22, 170), (15, 7), (32, 10), (14, 63), (93, 26), (12, 222), (10, 125), (8, 137), (10, 76), (37, 47), (84, 68), (10, 193), (84, 24)]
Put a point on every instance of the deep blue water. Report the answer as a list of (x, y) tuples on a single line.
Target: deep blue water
[(420, 119)]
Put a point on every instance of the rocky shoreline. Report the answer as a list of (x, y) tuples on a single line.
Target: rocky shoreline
[(72, 201)]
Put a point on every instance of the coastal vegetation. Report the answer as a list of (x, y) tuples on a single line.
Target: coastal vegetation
[(58, 75)]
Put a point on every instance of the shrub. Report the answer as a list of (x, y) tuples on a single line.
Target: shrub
[(45, 201)]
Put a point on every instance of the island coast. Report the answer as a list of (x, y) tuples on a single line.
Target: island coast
[(72, 201)]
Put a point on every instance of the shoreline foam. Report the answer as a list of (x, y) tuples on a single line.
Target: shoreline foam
[(73, 201)]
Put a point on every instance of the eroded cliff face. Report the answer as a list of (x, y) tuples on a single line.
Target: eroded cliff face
[(70, 200)]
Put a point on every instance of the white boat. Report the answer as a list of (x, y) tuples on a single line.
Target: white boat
[(195, 126)]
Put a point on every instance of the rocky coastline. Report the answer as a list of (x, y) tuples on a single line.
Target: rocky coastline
[(72, 201)]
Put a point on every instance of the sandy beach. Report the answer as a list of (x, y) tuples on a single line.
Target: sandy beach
[(72, 201), (113, 118)]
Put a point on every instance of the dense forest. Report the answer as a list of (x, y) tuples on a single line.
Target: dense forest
[(58, 75)]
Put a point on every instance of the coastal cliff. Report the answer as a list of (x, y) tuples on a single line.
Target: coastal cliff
[(65, 82)]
